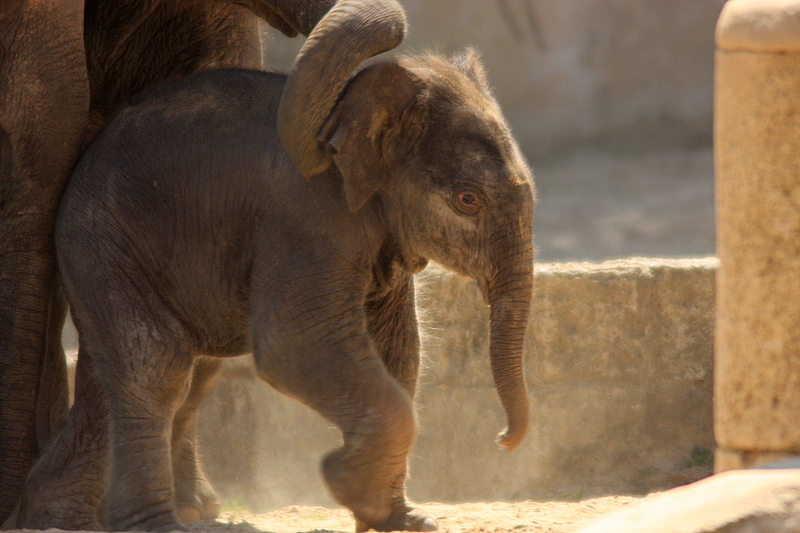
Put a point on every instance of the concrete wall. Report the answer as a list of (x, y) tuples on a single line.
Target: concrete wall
[(619, 366), (570, 73), (758, 219)]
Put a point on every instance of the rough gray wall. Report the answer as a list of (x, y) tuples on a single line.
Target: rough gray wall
[(619, 366), (571, 73)]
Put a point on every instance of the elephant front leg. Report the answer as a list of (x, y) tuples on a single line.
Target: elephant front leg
[(392, 323), (378, 430), (327, 360)]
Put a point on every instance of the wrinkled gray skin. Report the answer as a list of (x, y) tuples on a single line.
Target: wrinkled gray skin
[(65, 65), (188, 232)]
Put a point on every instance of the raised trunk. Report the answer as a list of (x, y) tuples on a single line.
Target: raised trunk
[(291, 18), (352, 31), (510, 300)]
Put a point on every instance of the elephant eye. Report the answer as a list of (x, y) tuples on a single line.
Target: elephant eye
[(468, 202), (467, 198)]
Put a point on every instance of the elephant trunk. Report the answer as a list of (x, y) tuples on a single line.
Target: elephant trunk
[(510, 294), (351, 32)]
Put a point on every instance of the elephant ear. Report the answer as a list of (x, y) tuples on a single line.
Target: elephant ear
[(469, 64), (371, 126)]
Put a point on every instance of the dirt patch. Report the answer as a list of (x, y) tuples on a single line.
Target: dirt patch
[(496, 517)]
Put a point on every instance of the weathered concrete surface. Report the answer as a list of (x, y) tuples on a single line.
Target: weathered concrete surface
[(739, 501), (619, 365), (757, 136)]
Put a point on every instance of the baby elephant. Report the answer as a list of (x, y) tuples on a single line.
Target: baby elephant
[(187, 231)]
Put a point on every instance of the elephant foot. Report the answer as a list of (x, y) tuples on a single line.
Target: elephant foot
[(155, 527), (159, 518), (165, 528), (408, 519), (57, 514), (48, 503), (71, 523), (190, 512)]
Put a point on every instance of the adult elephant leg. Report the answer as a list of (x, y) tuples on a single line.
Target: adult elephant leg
[(392, 323), (44, 100), (195, 498), (67, 484)]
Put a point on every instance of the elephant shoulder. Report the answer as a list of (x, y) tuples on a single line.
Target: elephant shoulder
[(224, 93), (191, 112)]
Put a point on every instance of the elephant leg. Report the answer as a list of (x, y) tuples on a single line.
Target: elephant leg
[(143, 361), (67, 484), (392, 323), (44, 99), (327, 361), (145, 390), (378, 429), (194, 496)]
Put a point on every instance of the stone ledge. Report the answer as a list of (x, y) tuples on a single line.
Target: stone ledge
[(739, 501)]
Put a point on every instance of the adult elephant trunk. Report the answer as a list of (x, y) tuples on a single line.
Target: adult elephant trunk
[(352, 31), (510, 294)]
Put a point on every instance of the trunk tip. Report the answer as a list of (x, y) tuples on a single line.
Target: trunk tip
[(509, 440)]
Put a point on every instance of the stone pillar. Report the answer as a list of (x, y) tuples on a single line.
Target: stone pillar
[(757, 158)]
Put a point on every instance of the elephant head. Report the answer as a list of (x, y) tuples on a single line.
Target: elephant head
[(425, 139)]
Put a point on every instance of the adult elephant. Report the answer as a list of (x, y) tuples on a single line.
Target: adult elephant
[(65, 65)]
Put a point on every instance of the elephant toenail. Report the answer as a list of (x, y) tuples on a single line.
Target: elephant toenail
[(429, 524)]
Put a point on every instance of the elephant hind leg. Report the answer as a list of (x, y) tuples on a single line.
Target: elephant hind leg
[(194, 497), (145, 393), (143, 360), (67, 484)]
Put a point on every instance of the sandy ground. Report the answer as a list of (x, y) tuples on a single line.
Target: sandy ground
[(528, 516), (495, 517)]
